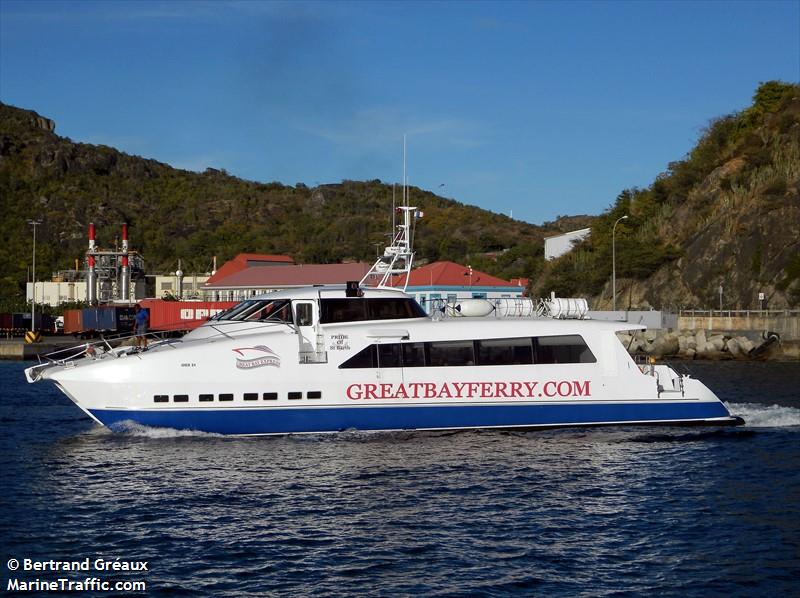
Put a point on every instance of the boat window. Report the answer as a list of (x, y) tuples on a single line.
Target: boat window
[(181, 398), (501, 351), (277, 309), (389, 356), (359, 310), (205, 398), (314, 394), (259, 310), (505, 351), (363, 359), (226, 397), (234, 312), (343, 310), (413, 355), (304, 314), (295, 395), (251, 396), (161, 398), (563, 349), (450, 353), (270, 396)]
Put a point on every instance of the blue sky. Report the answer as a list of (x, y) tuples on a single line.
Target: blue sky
[(543, 108)]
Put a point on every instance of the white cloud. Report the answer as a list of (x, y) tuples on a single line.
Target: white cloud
[(376, 127)]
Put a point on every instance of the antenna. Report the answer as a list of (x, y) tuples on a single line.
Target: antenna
[(405, 176)]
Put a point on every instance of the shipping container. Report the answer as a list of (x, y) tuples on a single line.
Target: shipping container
[(23, 320), (89, 319), (72, 321), (182, 315)]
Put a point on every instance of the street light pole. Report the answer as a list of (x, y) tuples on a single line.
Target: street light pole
[(34, 224), (614, 264)]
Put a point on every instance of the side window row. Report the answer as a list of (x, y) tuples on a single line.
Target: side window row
[(248, 396), (503, 351)]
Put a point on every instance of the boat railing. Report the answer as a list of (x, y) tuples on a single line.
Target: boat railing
[(667, 377), (112, 345)]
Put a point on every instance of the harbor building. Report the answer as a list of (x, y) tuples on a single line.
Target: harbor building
[(448, 282), (254, 280)]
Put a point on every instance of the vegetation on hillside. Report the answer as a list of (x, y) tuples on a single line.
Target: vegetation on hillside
[(728, 213), (175, 214), (716, 202)]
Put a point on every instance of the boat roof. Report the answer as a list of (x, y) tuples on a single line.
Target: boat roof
[(330, 291)]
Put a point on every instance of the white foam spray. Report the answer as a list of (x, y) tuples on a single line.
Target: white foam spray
[(134, 429), (765, 416)]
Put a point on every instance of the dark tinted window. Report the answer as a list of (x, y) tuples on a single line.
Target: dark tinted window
[(388, 356), (314, 394), (363, 359), (393, 309), (563, 349), (295, 395), (161, 399), (270, 396), (356, 310), (505, 351), (181, 398), (413, 355), (450, 353), (251, 396), (343, 310), (226, 397), (304, 314), (206, 398)]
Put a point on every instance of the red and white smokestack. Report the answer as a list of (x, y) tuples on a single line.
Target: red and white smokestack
[(125, 282), (91, 277)]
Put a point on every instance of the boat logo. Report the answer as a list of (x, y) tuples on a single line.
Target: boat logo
[(256, 357)]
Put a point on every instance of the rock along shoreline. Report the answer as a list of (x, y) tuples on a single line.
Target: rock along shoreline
[(716, 346)]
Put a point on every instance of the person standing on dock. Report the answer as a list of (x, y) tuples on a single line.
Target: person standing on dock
[(142, 318)]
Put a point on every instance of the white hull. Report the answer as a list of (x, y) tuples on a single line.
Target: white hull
[(277, 378)]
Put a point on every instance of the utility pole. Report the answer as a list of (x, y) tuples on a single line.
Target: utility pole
[(34, 224)]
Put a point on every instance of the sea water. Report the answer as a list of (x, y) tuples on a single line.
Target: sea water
[(581, 512)]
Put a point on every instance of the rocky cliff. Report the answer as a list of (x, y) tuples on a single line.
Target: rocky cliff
[(727, 215)]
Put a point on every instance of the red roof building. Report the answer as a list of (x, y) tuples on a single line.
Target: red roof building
[(249, 260), (253, 281), (448, 282)]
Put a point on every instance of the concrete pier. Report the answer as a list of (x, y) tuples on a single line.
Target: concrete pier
[(19, 349)]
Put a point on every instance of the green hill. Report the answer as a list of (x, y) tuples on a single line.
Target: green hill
[(727, 214), (193, 216)]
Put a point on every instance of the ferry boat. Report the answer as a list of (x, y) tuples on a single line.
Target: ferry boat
[(355, 357)]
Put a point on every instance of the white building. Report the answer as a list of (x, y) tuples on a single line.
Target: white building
[(558, 245), (191, 286), (56, 293)]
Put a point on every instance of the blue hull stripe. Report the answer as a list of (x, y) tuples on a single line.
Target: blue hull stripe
[(332, 419)]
